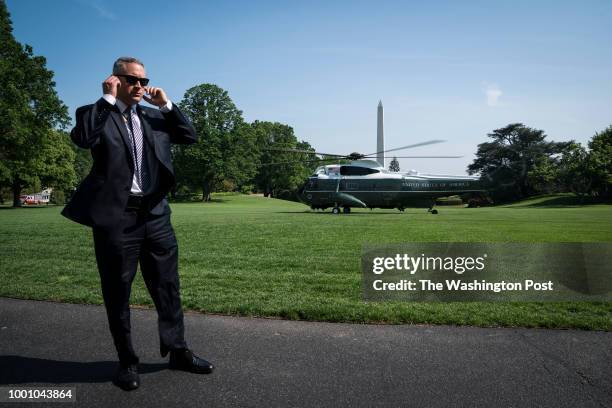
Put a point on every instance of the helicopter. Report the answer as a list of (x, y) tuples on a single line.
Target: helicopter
[(364, 183)]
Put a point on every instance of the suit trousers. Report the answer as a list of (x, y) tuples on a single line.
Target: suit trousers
[(149, 240)]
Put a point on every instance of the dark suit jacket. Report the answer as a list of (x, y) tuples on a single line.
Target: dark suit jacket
[(101, 198)]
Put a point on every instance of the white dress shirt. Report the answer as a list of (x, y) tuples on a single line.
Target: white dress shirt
[(136, 190)]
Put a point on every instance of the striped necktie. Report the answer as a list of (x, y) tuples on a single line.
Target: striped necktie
[(137, 147)]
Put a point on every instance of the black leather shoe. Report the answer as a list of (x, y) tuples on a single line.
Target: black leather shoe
[(185, 360), (127, 377)]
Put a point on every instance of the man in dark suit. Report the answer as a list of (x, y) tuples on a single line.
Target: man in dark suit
[(123, 200)]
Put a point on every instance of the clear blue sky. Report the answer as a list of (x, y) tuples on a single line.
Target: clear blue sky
[(451, 70)]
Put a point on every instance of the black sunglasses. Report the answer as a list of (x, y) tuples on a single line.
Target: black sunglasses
[(132, 80)]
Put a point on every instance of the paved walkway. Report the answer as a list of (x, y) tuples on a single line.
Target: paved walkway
[(277, 363)]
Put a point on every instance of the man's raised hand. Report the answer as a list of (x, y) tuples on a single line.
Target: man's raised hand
[(156, 97), (110, 85)]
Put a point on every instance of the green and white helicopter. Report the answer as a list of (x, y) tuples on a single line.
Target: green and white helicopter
[(364, 183)]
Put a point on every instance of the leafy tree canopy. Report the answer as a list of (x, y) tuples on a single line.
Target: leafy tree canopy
[(281, 171), (504, 163), (225, 149), (30, 110), (394, 165)]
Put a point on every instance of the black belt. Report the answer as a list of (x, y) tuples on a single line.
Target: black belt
[(136, 203)]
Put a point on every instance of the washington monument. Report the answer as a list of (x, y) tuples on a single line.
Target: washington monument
[(380, 138)]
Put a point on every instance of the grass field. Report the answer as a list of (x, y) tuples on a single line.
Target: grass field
[(254, 256)]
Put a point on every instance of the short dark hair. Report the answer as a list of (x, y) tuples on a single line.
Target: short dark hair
[(121, 62)]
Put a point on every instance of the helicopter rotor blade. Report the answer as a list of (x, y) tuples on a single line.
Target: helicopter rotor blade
[(419, 157), (434, 141), (274, 149), (296, 162), (356, 156)]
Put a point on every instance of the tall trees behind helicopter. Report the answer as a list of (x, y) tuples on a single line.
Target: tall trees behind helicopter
[(519, 162), (280, 172), (600, 162), (226, 147), (230, 152), (505, 162), (584, 171)]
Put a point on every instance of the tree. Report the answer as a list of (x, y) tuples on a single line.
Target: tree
[(600, 162), (505, 162), (573, 170), (57, 167), (30, 110), (544, 177), (82, 162), (281, 171), (394, 165), (240, 157), (225, 148)]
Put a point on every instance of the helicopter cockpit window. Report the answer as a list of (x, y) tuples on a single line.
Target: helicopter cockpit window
[(356, 171), (333, 171)]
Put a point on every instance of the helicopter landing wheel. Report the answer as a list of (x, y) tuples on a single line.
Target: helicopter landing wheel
[(346, 210), (431, 209), (336, 210)]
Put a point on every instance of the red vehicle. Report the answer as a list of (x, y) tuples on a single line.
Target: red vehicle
[(37, 198)]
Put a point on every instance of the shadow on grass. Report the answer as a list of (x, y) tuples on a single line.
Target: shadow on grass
[(564, 201), (23, 370), (197, 201), (352, 214)]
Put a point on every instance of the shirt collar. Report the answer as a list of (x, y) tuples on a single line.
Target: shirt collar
[(122, 106)]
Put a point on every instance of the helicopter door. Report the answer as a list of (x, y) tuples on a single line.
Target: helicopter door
[(387, 191)]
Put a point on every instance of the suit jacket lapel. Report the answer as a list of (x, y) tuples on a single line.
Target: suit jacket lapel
[(121, 125), (148, 133)]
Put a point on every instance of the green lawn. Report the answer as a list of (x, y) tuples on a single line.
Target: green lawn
[(263, 257)]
